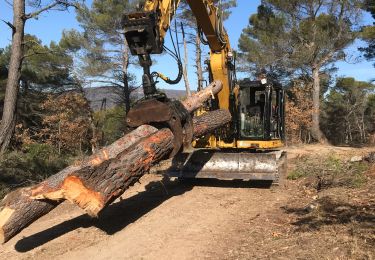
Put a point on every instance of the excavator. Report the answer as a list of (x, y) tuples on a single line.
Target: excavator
[(248, 148)]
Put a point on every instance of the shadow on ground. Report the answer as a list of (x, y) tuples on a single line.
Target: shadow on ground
[(328, 211), (120, 214)]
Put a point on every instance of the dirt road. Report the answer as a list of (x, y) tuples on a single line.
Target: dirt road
[(167, 219)]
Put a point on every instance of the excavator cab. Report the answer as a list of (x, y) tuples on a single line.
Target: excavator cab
[(261, 111)]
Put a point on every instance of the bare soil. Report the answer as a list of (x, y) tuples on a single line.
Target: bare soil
[(169, 219)]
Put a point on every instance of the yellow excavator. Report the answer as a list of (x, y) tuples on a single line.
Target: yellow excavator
[(248, 148)]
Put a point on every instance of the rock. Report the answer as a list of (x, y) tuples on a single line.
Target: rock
[(356, 159), (311, 207)]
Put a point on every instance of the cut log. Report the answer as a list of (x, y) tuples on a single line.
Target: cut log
[(209, 121), (97, 181), (18, 209)]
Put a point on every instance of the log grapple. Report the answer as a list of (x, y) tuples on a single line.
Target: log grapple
[(162, 112)]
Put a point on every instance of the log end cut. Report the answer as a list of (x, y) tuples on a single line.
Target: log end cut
[(76, 192), (5, 214)]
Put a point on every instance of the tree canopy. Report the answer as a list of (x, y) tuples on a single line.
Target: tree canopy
[(101, 47), (349, 111), (368, 33), (301, 37)]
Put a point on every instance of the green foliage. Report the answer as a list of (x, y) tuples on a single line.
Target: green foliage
[(188, 18), (226, 6), (348, 112), (111, 123), (35, 163), (298, 35), (4, 58), (45, 69), (370, 114), (368, 32), (296, 174), (300, 38), (330, 171), (265, 41), (43, 160)]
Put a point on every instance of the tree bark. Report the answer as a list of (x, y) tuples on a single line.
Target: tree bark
[(126, 90), (8, 119), (211, 120), (315, 128), (185, 72), (198, 60), (100, 179)]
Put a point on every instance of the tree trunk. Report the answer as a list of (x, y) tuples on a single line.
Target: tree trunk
[(101, 178), (315, 128), (198, 61), (126, 89), (185, 72), (8, 119), (372, 139), (59, 136), (208, 121)]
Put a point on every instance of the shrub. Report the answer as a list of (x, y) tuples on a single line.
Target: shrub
[(34, 164), (330, 171)]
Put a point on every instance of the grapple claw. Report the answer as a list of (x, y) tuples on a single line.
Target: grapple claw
[(164, 113)]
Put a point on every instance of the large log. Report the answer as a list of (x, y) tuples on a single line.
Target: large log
[(97, 181)]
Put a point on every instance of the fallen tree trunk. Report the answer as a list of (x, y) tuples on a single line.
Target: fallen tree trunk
[(94, 183)]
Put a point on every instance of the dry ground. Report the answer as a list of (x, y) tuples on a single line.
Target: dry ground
[(169, 219)]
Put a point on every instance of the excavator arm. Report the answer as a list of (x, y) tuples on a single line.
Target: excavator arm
[(210, 23), (145, 32)]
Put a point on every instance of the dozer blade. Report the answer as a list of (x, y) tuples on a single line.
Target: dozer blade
[(268, 166)]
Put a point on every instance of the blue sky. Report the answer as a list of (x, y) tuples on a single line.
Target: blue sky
[(50, 25)]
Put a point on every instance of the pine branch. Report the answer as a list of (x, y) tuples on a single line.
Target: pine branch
[(36, 13), (9, 3), (10, 25), (36, 53), (66, 4), (106, 82)]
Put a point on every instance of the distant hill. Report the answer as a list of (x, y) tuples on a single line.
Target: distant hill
[(96, 96)]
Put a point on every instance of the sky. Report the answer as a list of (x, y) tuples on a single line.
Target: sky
[(49, 26)]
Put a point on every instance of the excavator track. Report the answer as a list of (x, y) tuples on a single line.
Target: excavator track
[(224, 165)]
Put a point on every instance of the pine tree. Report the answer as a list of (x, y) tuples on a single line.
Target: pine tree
[(368, 33), (102, 47), (20, 17), (45, 70), (265, 44), (311, 36), (348, 116)]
